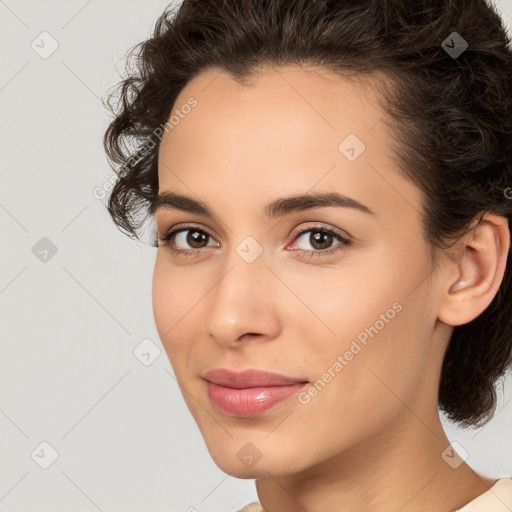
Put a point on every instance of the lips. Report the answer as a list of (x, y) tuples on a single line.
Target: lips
[(248, 378), (251, 392)]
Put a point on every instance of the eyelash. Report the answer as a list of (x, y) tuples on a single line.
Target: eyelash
[(164, 241)]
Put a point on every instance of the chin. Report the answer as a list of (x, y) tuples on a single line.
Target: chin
[(238, 471), (247, 463)]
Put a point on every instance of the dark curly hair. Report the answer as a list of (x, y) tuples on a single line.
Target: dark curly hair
[(450, 115)]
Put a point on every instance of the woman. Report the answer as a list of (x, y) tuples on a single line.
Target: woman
[(330, 186)]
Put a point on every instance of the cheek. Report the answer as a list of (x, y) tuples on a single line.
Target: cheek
[(372, 328), (173, 295), (374, 363), (170, 307), (162, 295)]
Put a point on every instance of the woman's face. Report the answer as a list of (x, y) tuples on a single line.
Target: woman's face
[(357, 321)]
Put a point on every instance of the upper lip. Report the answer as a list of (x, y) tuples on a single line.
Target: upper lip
[(248, 378)]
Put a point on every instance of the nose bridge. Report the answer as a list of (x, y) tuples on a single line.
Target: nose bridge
[(245, 268), (240, 301)]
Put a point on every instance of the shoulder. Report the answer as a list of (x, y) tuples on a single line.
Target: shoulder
[(252, 507), (497, 499)]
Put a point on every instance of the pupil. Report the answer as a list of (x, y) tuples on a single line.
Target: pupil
[(316, 239), (195, 237)]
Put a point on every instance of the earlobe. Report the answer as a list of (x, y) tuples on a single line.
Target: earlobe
[(478, 271)]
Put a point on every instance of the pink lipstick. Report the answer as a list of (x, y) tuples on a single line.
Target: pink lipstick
[(251, 392)]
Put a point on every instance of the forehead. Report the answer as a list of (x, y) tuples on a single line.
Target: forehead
[(290, 130), (296, 103)]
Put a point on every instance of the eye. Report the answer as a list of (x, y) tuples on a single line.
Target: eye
[(192, 239), (191, 235), (321, 239)]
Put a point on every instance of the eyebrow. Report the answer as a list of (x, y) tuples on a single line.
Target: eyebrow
[(276, 208)]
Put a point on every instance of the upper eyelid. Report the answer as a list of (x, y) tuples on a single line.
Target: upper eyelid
[(296, 233), (178, 229)]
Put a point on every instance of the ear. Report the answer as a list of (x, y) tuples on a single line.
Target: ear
[(474, 275)]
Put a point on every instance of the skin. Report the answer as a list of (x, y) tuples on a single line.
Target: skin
[(371, 439)]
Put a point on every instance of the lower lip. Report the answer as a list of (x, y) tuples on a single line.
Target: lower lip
[(249, 402)]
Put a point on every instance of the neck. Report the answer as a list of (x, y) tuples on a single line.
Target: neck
[(399, 468)]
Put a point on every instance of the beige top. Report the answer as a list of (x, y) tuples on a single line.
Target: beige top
[(497, 499)]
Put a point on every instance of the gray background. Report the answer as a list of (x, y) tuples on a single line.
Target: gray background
[(72, 319)]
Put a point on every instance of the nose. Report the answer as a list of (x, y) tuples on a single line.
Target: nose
[(243, 304)]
